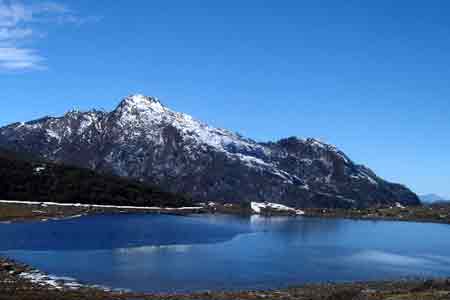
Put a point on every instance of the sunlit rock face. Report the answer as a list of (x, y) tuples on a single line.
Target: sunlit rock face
[(143, 139)]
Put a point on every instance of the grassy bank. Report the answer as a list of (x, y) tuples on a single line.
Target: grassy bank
[(432, 213), (439, 213)]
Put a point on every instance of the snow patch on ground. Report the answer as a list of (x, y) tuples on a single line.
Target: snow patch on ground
[(258, 207), (38, 170), (156, 208), (59, 283), (398, 205)]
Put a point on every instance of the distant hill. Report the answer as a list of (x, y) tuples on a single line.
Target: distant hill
[(24, 178), (432, 198)]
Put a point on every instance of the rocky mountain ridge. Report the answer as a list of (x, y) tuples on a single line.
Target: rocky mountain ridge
[(145, 140)]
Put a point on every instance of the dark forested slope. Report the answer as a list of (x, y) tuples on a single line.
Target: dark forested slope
[(26, 179)]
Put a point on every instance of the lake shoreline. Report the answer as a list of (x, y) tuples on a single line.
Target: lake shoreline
[(17, 211), (14, 285), (438, 214)]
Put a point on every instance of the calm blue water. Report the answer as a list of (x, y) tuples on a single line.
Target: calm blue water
[(162, 253)]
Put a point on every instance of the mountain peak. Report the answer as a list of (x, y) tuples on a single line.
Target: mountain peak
[(138, 100), (141, 103)]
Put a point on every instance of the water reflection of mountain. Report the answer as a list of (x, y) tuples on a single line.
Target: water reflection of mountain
[(297, 228), (154, 249)]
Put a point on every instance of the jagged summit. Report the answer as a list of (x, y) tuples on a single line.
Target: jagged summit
[(140, 98), (141, 102), (146, 140)]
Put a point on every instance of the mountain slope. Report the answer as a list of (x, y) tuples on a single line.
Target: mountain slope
[(147, 141), (25, 179)]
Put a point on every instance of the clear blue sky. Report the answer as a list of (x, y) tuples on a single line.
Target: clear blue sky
[(372, 77)]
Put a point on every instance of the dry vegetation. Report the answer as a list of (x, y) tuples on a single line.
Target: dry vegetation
[(433, 213)]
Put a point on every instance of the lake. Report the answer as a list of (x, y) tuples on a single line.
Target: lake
[(164, 253)]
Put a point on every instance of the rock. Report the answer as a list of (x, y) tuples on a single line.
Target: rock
[(6, 267)]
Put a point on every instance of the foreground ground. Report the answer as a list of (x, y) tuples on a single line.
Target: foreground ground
[(14, 287)]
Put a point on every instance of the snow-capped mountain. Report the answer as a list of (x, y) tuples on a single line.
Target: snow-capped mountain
[(144, 139)]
